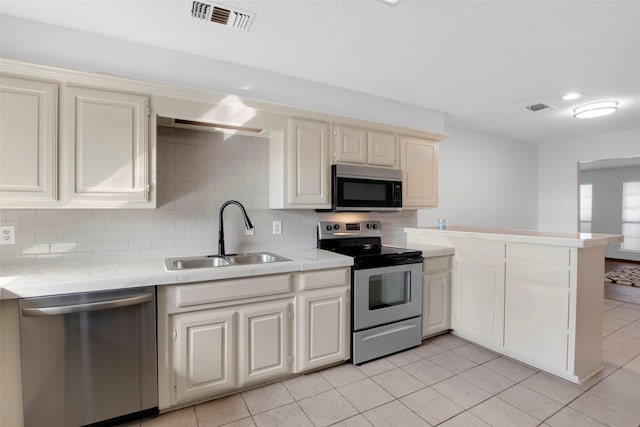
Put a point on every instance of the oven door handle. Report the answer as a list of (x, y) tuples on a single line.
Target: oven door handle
[(93, 306)]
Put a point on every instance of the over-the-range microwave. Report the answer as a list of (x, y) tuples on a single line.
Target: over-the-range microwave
[(365, 188)]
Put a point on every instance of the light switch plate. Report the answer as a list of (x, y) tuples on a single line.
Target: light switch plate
[(7, 235)]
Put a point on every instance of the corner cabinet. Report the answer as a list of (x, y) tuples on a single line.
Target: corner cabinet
[(299, 166), (419, 164), (538, 302), (107, 148), (95, 152), (28, 143)]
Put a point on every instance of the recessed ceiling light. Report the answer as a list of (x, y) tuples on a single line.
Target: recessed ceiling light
[(391, 2), (595, 109), (571, 96)]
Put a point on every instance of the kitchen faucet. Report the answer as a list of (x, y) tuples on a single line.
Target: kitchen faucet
[(247, 223)]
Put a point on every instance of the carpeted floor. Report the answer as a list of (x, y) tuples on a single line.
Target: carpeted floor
[(627, 276)]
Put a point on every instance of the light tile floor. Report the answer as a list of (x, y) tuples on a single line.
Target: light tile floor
[(445, 382)]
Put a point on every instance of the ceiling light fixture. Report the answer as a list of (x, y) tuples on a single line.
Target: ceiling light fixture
[(391, 2), (596, 109), (571, 96)]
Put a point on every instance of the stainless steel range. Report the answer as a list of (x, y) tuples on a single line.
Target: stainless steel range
[(386, 295)]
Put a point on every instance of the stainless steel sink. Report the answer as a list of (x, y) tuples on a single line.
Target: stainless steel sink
[(188, 263), (255, 258)]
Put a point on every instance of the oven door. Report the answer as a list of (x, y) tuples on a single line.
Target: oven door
[(386, 295)]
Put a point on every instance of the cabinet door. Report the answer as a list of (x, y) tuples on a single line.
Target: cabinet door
[(323, 328), (435, 303), (310, 175), (538, 276), (480, 311), (107, 160), (28, 143), (382, 150), (264, 341), (350, 144), (419, 164), (204, 355)]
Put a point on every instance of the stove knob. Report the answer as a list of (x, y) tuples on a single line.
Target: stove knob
[(329, 227), (375, 226), (336, 226), (368, 226)]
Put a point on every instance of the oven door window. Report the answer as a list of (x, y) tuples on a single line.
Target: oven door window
[(389, 289)]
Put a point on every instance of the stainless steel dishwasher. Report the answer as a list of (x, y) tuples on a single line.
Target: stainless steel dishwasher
[(89, 358)]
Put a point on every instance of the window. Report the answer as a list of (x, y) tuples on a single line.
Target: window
[(631, 216), (586, 201)]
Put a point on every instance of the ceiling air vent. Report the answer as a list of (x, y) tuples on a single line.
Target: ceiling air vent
[(537, 107), (219, 14)]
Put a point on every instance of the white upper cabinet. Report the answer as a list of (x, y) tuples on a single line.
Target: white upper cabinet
[(93, 153), (28, 143), (107, 152), (419, 164), (382, 149), (299, 166), (362, 146), (350, 144)]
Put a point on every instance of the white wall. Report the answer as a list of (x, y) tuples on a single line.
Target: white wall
[(485, 181), (558, 174), (30, 41)]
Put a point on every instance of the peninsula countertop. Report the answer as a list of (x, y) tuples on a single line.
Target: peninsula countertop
[(574, 240), (33, 281)]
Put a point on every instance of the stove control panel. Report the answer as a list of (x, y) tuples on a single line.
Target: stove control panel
[(337, 230)]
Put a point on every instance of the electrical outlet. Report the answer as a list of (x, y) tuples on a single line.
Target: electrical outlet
[(7, 235), (277, 227)]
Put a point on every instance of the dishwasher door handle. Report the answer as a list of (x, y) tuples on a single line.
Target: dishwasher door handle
[(92, 306)]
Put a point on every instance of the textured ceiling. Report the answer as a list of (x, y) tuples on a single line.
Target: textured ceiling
[(480, 62)]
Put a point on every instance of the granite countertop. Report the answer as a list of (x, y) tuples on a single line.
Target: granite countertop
[(576, 240), (34, 281)]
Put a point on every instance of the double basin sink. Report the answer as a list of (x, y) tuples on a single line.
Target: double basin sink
[(212, 261)]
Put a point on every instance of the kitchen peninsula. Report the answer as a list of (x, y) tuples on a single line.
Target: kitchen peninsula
[(534, 296)]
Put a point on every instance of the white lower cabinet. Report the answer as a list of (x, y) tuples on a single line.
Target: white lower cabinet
[(324, 328), (223, 336), (218, 350), (204, 356), (538, 277), (264, 341), (436, 295), (538, 303), (323, 313)]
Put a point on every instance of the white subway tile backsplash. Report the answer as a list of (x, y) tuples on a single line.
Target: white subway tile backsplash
[(63, 248), (196, 173), (35, 249)]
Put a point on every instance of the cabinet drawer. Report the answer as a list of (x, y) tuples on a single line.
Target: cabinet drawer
[(225, 290), (437, 264), (324, 278), (539, 254), (540, 275), (481, 247)]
